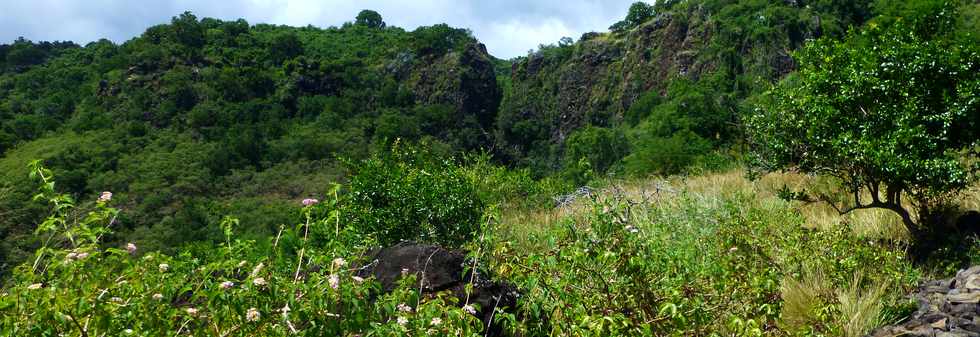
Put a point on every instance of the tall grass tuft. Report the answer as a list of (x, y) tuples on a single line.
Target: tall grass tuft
[(803, 299), (861, 308)]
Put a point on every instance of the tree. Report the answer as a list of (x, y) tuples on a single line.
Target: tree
[(639, 13), (440, 38), (891, 112), (369, 18)]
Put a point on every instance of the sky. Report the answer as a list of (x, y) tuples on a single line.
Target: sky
[(509, 28)]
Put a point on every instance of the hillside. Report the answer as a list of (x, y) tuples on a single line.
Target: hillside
[(203, 115), (210, 115), (711, 55), (704, 168)]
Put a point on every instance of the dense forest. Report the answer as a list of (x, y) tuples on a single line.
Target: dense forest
[(705, 156)]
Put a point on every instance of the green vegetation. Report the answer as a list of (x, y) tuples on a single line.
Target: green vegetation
[(693, 61), (891, 113), (216, 178), (204, 117), (407, 194)]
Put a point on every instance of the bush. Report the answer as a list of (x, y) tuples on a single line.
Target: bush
[(601, 147), (409, 194), (76, 286)]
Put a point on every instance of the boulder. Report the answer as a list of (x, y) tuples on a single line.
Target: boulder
[(438, 269)]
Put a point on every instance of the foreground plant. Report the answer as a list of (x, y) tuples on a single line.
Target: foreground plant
[(78, 287)]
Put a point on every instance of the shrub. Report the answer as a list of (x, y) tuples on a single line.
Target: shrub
[(665, 155), (75, 287), (409, 193), (601, 147)]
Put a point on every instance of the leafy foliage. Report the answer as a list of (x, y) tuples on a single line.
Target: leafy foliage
[(201, 116), (408, 194), (639, 13), (892, 113), (83, 289), (370, 19)]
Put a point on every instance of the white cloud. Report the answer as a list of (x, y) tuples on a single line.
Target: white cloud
[(515, 38), (508, 27)]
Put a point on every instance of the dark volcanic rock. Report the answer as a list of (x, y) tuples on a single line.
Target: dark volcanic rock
[(947, 308), (438, 269)]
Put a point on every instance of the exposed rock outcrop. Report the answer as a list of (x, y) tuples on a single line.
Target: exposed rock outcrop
[(596, 80), (464, 79), (947, 308)]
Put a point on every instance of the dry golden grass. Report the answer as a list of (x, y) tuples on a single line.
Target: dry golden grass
[(870, 223), (802, 299), (861, 308)]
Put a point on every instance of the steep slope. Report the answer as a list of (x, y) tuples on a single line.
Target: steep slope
[(730, 48)]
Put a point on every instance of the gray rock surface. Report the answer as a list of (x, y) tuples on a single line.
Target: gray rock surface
[(947, 308)]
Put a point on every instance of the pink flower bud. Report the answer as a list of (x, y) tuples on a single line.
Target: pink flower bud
[(310, 202)]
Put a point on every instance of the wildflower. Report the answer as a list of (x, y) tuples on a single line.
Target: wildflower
[(164, 267), (310, 202), (191, 311), (469, 309), (227, 284), (358, 279), (334, 281), (72, 256), (105, 197), (339, 262), (257, 269), (252, 315), (258, 281), (131, 248), (34, 286), (157, 296), (402, 321), (436, 321), (404, 308)]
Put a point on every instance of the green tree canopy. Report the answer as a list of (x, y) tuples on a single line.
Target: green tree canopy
[(892, 112), (370, 19), (639, 13)]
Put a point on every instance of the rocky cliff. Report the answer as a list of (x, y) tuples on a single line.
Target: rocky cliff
[(559, 89), (463, 79)]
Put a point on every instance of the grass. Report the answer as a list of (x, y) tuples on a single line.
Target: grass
[(860, 307), (720, 250), (662, 256), (870, 223), (803, 299)]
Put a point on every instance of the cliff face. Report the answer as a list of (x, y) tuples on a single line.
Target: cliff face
[(595, 81), (463, 79)]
